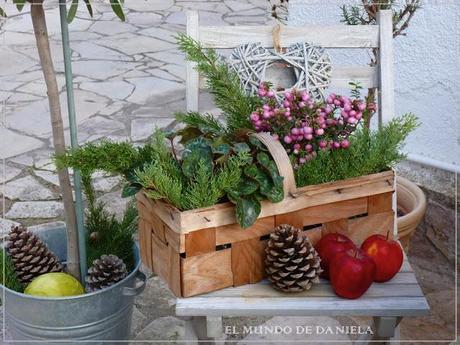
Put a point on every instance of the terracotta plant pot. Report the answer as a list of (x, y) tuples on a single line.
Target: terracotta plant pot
[(412, 203)]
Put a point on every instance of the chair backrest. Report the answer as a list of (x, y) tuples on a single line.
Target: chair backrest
[(378, 37)]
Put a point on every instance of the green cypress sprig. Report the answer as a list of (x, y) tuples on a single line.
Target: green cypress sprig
[(369, 152), (223, 83)]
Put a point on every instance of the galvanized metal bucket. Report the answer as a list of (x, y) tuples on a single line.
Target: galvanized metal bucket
[(95, 318)]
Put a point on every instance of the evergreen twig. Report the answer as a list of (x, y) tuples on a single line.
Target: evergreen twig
[(223, 83), (369, 152), (8, 276)]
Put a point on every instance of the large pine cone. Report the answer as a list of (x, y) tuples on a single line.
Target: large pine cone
[(30, 255), (106, 271), (291, 262)]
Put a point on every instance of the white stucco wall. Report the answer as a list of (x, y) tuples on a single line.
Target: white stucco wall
[(427, 70)]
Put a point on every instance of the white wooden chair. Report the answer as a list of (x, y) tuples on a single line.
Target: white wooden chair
[(388, 302)]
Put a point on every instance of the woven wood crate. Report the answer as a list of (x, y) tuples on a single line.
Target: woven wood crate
[(203, 250)]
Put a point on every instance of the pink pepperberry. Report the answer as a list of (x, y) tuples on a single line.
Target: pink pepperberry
[(308, 147), (270, 94), (302, 104), (289, 118), (295, 131), (328, 110), (275, 136), (287, 139), (308, 130), (353, 113), (336, 144), (305, 96), (345, 144), (266, 107), (266, 114), (337, 102), (359, 116), (319, 131), (286, 103), (302, 160), (322, 144), (297, 146), (329, 100), (288, 95), (352, 120), (361, 106), (347, 107), (258, 123), (308, 136), (254, 117)]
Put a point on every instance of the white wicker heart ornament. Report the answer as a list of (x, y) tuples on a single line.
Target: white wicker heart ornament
[(311, 66)]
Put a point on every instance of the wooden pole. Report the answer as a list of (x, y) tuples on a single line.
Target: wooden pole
[(44, 52)]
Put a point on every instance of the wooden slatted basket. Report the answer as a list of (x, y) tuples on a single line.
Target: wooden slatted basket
[(203, 250)]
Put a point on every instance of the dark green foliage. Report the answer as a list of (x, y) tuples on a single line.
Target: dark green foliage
[(108, 235), (369, 152), (223, 83), (8, 276)]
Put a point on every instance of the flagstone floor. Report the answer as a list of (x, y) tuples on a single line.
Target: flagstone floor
[(129, 78)]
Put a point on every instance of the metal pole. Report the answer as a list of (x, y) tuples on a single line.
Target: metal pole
[(73, 137)]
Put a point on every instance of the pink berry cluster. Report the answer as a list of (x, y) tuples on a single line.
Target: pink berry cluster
[(306, 126)]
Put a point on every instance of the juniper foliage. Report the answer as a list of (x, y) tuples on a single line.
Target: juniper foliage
[(8, 276), (369, 152), (223, 83), (108, 235)]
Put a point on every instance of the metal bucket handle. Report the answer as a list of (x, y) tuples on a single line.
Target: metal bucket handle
[(127, 291)]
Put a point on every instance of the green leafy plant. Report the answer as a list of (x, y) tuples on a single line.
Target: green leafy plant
[(108, 235), (8, 276), (223, 83), (369, 152)]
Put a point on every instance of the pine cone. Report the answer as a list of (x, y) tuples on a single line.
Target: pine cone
[(291, 262), (30, 256), (106, 271)]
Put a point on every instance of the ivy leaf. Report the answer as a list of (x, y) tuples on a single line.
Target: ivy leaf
[(196, 150), (247, 187), (189, 133), (221, 149), (72, 11), (130, 189), (242, 147), (233, 196), (116, 7), (247, 211), (268, 164), (270, 188)]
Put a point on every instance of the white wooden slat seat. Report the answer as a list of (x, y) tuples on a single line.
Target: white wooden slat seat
[(387, 302)]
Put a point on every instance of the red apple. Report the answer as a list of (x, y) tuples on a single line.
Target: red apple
[(328, 246), (352, 272), (387, 255)]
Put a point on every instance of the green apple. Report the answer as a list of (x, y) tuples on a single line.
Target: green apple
[(56, 284)]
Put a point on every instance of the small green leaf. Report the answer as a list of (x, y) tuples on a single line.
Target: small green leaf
[(247, 211), (221, 149), (116, 7), (242, 147), (19, 4), (88, 7), (130, 189), (72, 11), (268, 164), (189, 133)]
